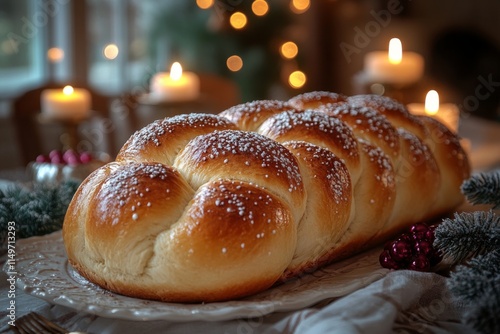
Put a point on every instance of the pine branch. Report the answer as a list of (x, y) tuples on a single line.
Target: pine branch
[(477, 285), (473, 281), (36, 212), (475, 236), (483, 317), (483, 188), (467, 235)]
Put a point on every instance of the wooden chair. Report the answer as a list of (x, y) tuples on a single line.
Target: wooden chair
[(129, 114), (221, 93), (36, 137)]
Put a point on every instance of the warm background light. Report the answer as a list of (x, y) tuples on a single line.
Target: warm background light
[(68, 90), (238, 20), (260, 7), (9, 47), (300, 6), (205, 4), (297, 79), (432, 102), (55, 55), (234, 63), (176, 71), (395, 51), (111, 51), (289, 50)]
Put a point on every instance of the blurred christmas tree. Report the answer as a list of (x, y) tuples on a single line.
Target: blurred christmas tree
[(202, 35)]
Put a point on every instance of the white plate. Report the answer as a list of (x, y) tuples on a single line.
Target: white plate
[(44, 272)]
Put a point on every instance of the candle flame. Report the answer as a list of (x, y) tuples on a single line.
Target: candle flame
[(68, 90), (176, 71), (432, 102), (395, 51)]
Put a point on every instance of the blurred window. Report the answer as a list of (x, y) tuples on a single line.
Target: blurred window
[(38, 44), (118, 48), (23, 31)]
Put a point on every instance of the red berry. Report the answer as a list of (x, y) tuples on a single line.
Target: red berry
[(72, 160), (69, 155), (414, 250), (85, 157), (57, 159), (42, 158), (401, 250), (423, 247), (429, 235), (387, 261), (54, 153), (405, 237), (420, 263), (418, 230)]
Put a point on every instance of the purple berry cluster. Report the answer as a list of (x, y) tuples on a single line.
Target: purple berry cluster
[(413, 250), (68, 157)]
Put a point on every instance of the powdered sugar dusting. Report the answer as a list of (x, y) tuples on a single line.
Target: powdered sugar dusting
[(377, 156), (379, 102), (330, 168), (243, 149), (157, 131), (125, 186), (302, 100), (368, 124), (419, 151), (231, 203), (248, 116), (311, 121)]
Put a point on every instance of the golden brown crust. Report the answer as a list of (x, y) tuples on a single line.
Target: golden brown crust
[(367, 124), (312, 100), (395, 112), (161, 140), (246, 156), (249, 116), (230, 229), (201, 208), (452, 161), (317, 128), (328, 210)]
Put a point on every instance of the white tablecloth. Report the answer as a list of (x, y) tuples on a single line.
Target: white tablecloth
[(401, 302)]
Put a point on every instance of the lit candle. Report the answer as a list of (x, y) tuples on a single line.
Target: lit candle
[(446, 113), (67, 104), (175, 86), (394, 66), (431, 106)]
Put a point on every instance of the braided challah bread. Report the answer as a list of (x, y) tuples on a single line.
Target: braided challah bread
[(200, 208)]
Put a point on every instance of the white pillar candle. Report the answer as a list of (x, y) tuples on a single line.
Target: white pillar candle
[(394, 67), (446, 113), (175, 85), (66, 104)]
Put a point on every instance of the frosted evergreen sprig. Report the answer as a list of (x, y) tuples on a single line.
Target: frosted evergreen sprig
[(471, 282), (467, 235), (483, 316), (477, 285), (483, 188), (36, 211)]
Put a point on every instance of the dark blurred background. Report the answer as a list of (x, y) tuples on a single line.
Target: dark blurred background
[(272, 49)]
